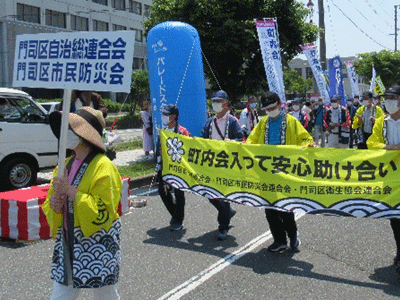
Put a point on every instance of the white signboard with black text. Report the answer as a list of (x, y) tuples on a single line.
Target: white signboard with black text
[(98, 61)]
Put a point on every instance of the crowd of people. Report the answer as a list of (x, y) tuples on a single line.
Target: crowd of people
[(337, 125), (81, 206), (367, 123)]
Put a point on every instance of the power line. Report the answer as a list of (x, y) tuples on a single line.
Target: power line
[(370, 20), (374, 10), (333, 31), (366, 34), (381, 5)]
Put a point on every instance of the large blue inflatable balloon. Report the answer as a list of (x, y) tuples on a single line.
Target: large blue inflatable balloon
[(176, 74)]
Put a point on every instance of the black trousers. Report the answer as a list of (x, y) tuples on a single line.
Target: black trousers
[(224, 213), (351, 139), (281, 223), (395, 224), (175, 208), (363, 145)]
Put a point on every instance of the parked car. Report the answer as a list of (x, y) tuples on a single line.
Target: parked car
[(50, 106), (27, 143)]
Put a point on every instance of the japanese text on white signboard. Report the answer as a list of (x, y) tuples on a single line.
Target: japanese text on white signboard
[(100, 61)]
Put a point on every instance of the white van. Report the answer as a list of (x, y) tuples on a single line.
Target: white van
[(50, 106), (27, 143)]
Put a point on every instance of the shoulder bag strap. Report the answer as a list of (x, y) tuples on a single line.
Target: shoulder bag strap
[(218, 130)]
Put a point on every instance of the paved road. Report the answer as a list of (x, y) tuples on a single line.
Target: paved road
[(340, 258)]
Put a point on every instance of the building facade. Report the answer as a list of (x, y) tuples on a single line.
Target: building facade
[(304, 69), (48, 16)]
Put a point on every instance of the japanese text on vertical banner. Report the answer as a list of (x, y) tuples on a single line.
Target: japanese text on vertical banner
[(100, 61), (310, 52), (353, 78), (160, 49), (336, 78), (361, 183), (271, 53)]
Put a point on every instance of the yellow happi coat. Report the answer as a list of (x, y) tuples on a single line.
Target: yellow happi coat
[(377, 140), (295, 134), (377, 113), (97, 227)]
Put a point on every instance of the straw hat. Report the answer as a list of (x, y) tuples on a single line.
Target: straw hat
[(87, 123)]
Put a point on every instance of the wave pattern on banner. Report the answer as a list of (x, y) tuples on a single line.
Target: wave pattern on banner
[(360, 208)]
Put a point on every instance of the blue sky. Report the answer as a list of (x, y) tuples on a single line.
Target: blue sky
[(373, 23)]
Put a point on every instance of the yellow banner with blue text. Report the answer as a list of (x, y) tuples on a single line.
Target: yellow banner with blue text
[(346, 182), (379, 88)]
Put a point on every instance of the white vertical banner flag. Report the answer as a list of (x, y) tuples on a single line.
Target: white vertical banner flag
[(271, 54), (310, 51), (373, 79), (353, 78)]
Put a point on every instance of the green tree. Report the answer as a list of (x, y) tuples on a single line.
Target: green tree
[(386, 63), (229, 38), (296, 84), (140, 89)]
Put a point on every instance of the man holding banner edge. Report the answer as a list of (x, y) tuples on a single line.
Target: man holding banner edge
[(222, 126), (280, 128), (386, 135)]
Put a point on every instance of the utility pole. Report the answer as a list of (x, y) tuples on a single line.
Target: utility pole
[(322, 44), (395, 28)]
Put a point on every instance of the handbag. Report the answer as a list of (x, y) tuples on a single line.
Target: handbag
[(150, 128)]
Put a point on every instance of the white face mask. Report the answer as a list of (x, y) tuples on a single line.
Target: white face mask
[(217, 107), (335, 105), (253, 105), (391, 105), (72, 140), (349, 103), (365, 102), (296, 107), (274, 113), (165, 119)]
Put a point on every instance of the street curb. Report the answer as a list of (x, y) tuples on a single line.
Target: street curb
[(142, 181)]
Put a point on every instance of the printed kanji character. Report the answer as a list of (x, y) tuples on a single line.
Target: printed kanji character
[(322, 169), (298, 168), (207, 156), (366, 171), (222, 160), (70, 71), (57, 71), (193, 155), (280, 164), (236, 160)]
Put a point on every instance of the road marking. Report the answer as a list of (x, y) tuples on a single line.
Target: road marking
[(214, 269)]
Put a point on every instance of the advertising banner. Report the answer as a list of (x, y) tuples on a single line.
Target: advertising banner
[(176, 75), (345, 182), (96, 61), (271, 54), (310, 51), (353, 78), (336, 79)]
